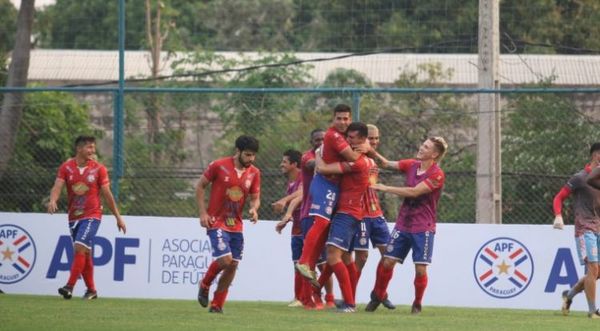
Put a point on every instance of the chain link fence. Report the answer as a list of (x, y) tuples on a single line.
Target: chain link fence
[(170, 138)]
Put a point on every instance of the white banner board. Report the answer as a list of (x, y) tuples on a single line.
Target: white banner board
[(495, 266)]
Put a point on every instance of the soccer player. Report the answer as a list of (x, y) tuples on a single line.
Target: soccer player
[(85, 179), (349, 215), (415, 224), (290, 167), (307, 165), (324, 189), (232, 180), (374, 225), (587, 229)]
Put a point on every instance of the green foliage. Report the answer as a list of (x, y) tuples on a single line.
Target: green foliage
[(50, 123), (8, 27)]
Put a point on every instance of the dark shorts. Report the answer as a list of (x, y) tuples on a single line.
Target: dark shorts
[(402, 242), (375, 229), (225, 243), (324, 195), (297, 245), (342, 232), (84, 231)]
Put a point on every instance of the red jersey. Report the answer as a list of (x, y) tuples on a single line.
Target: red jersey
[(228, 192), (307, 177), (353, 188), (292, 187), (83, 188), (333, 143), (371, 203), (420, 214)]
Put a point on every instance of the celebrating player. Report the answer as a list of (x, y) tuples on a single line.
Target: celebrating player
[(324, 190), (587, 229), (290, 166), (374, 225), (348, 217), (85, 179), (415, 225), (233, 179)]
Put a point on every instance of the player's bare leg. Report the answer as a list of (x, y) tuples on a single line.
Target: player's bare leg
[(589, 287)]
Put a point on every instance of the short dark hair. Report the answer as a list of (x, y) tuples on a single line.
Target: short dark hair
[(246, 143), (595, 147), (342, 108), (363, 130), (293, 156), (312, 133), (84, 140)]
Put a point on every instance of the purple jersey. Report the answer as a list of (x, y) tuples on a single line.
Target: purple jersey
[(292, 187), (420, 214), (307, 176)]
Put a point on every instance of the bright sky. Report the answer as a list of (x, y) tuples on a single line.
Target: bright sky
[(38, 3)]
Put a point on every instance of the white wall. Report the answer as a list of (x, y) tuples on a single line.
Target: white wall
[(150, 262)]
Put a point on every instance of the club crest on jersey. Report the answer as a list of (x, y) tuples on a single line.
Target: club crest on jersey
[(503, 268), (17, 254), (363, 241), (91, 178), (247, 183)]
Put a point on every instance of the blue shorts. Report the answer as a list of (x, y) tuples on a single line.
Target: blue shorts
[(587, 247), (225, 243), (342, 232), (402, 242), (374, 228), (324, 196), (84, 231), (297, 245), (306, 224)]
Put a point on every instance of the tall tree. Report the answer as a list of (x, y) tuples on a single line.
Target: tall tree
[(12, 104)]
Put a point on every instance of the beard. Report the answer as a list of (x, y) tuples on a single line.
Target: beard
[(244, 164)]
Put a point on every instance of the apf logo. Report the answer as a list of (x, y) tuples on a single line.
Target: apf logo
[(17, 254), (503, 268)]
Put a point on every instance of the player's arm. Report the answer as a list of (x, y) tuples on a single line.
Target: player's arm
[(593, 178), (406, 192), (352, 155), (205, 219), (279, 205), (254, 205), (290, 210), (385, 163), (557, 203), (335, 168), (55, 195), (112, 205)]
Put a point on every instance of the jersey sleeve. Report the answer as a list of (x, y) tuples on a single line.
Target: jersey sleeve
[(338, 142), (404, 165), (436, 180), (575, 183), (255, 186), (211, 172), (103, 178), (62, 172)]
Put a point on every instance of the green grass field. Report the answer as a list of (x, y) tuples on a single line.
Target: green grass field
[(24, 312)]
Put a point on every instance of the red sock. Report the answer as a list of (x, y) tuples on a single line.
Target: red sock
[(341, 272), (211, 273), (297, 285), (76, 268), (383, 279), (219, 299), (329, 297), (353, 273), (325, 274), (307, 291), (88, 273), (420, 285), (314, 241)]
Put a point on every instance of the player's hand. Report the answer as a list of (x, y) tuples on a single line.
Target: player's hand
[(558, 222), (281, 225), (378, 187), (121, 225), (278, 206), (205, 220), (253, 215), (52, 207)]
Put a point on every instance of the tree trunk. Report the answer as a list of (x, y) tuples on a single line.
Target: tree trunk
[(12, 105)]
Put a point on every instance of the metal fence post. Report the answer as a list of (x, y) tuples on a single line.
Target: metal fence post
[(355, 106), (118, 113)]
